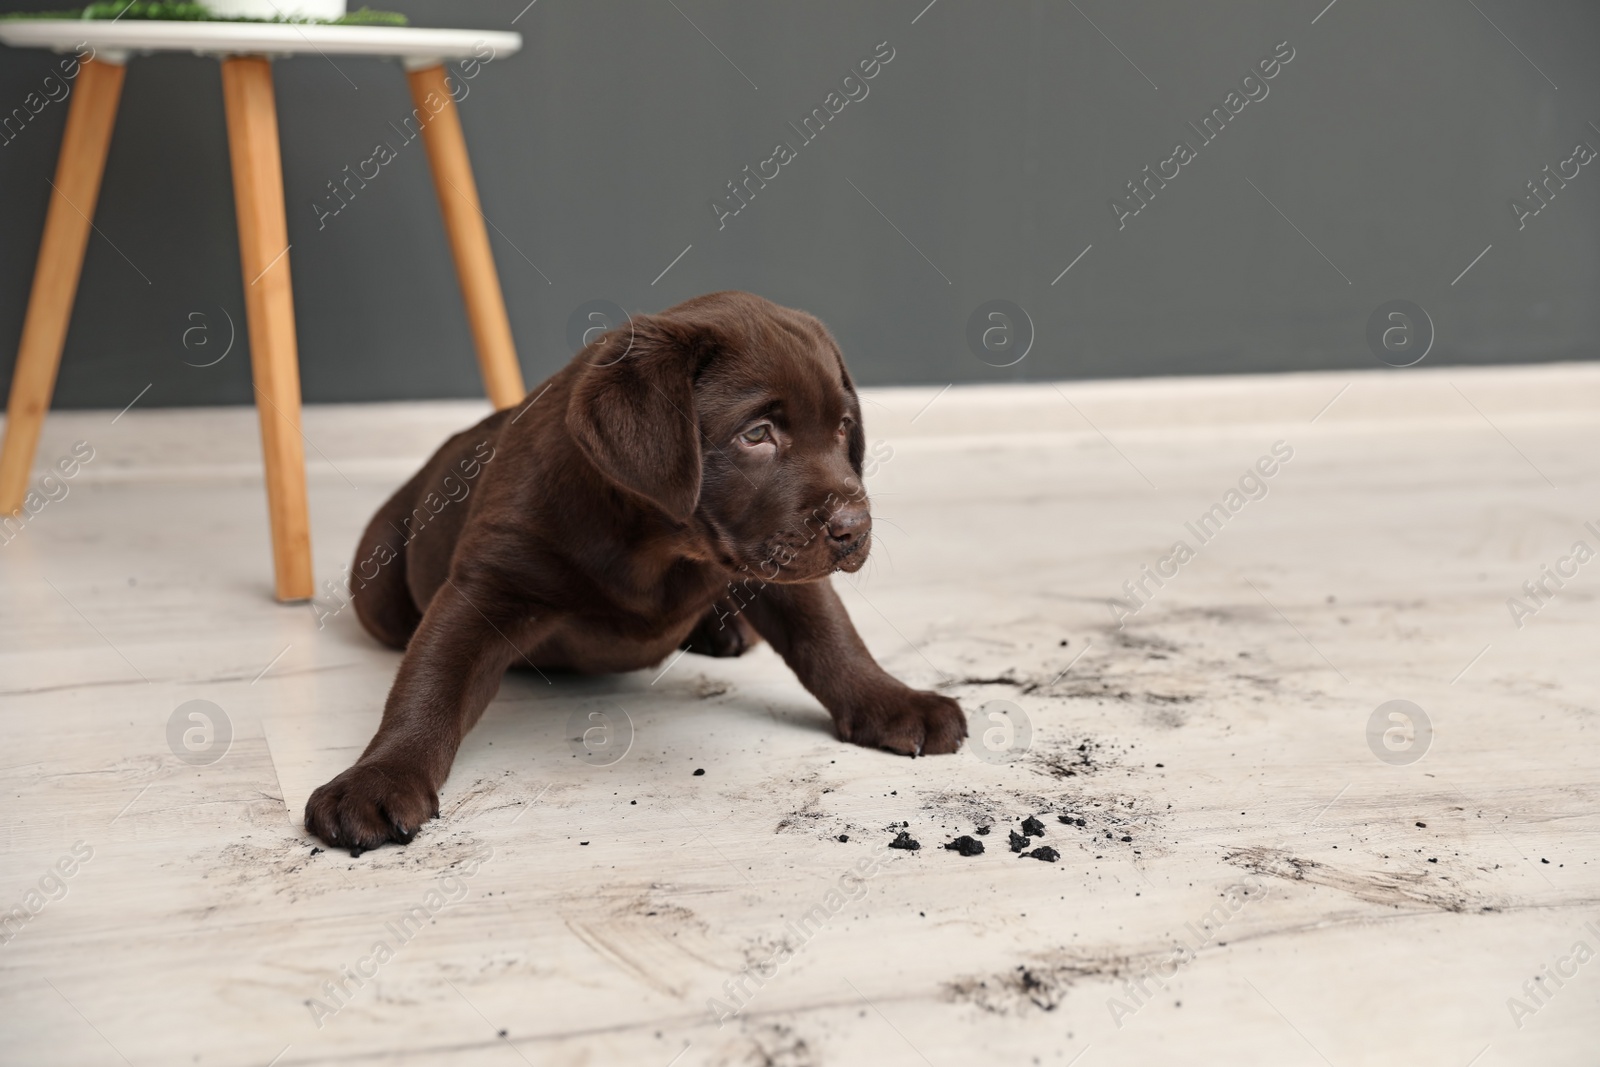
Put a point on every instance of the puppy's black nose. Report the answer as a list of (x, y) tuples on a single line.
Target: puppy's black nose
[(849, 526)]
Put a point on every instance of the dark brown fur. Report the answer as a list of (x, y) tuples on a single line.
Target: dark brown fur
[(620, 513)]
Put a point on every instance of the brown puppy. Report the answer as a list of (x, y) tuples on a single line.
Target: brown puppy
[(690, 479)]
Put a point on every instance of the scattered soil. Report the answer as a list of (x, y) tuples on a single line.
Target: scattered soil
[(967, 846), (1086, 758), (1041, 985)]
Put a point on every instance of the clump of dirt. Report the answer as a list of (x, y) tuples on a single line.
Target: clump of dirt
[(1097, 823), (967, 846), (1032, 826), (905, 841), (1043, 852)]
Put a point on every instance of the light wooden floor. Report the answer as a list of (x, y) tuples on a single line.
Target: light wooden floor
[(586, 915)]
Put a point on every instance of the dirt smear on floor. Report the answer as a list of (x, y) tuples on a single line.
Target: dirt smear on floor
[(1169, 667), (1438, 888), (770, 1044), (1088, 756), (641, 932), (1039, 985)]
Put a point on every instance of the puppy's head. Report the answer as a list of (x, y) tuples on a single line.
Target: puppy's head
[(737, 416)]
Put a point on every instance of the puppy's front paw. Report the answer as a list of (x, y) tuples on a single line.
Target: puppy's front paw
[(370, 804), (911, 722)]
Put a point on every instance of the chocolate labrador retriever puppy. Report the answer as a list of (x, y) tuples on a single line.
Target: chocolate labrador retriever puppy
[(690, 479)]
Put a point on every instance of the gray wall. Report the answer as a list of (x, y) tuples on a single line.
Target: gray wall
[(1394, 141)]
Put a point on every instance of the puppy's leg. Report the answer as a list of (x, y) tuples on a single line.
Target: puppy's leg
[(722, 631), (810, 628), (450, 671)]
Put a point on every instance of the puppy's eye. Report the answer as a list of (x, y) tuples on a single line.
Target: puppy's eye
[(756, 435)]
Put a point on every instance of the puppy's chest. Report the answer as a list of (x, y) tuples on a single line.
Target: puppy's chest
[(682, 593), (634, 585)]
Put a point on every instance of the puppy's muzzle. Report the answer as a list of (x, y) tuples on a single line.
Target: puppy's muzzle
[(849, 531)]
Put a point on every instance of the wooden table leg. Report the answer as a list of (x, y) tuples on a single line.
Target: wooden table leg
[(469, 240), (90, 119), (269, 305)]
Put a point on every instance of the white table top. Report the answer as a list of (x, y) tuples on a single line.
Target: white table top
[(112, 40)]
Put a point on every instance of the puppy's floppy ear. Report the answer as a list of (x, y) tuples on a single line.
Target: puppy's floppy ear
[(632, 409), (858, 432)]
